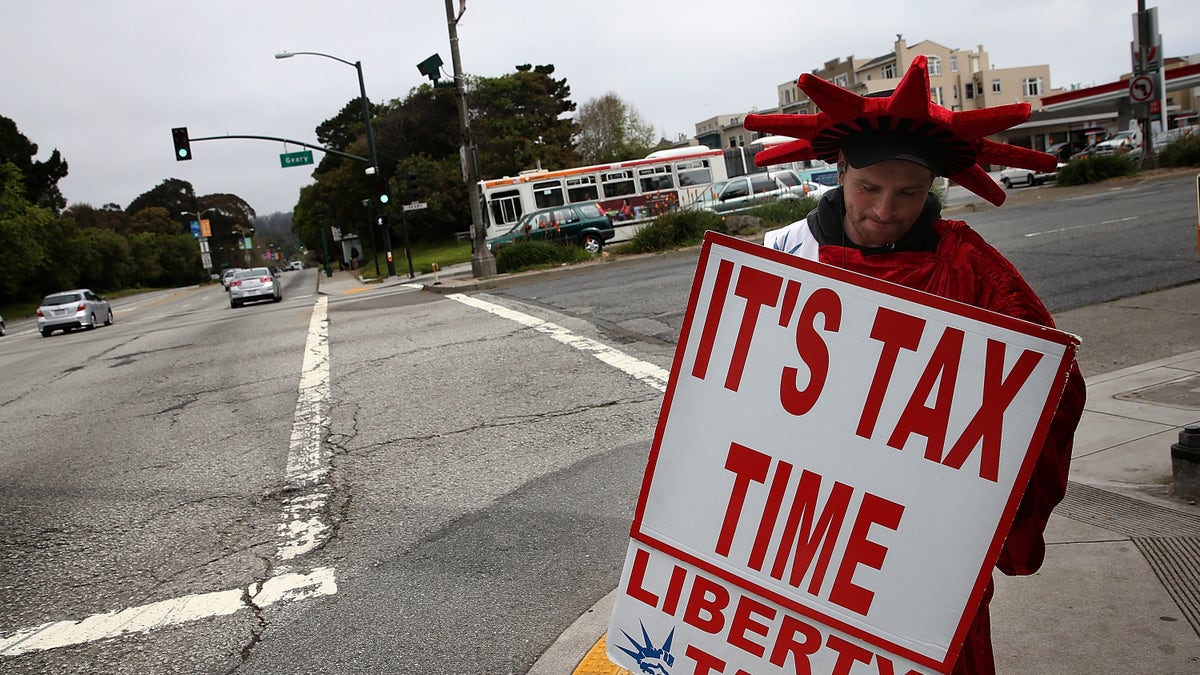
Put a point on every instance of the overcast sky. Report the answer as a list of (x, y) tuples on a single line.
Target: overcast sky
[(104, 81)]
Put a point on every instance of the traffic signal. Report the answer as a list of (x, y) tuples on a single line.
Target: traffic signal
[(382, 189), (412, 184), (183, 146), (431, 67)]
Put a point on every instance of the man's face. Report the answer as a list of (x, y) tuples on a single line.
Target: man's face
[(883, 200)]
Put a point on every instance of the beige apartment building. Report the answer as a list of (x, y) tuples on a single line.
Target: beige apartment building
[(959, 79)]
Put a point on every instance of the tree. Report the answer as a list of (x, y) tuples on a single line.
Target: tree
[(610, 130), (22, 242), (152, 219), (174, 195), (40, 179), (110, 217), (518, 122)]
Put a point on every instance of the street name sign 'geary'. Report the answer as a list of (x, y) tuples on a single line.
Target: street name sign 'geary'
[(835, 467)]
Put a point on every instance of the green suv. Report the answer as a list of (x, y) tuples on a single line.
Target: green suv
[(583, 225)]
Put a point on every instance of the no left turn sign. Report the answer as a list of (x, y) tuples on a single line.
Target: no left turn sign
[(1141, 89)]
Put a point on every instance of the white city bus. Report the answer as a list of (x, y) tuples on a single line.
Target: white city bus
[(633, 191)]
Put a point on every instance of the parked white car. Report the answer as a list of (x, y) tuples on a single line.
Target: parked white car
[(1013, 177), (746, 192)]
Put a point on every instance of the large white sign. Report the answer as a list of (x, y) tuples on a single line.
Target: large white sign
[(836, 465)]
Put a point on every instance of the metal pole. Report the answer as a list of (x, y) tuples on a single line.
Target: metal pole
[(325, 251), (362, 90), (374, 243), (407, 248), (482, 262)]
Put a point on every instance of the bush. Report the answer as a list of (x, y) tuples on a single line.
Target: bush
[(679, 229), (1184, 152), (1095, 169), (783, 212), (529, 254), (674, 230)]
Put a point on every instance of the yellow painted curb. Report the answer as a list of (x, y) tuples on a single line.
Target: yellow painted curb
[(596, 662)]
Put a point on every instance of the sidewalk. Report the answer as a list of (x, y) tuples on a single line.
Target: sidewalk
[(1120, 589), (347, 282)]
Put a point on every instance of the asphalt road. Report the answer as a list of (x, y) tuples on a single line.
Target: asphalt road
[(475, 488)]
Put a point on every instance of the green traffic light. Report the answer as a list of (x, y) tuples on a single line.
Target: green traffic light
[(383, 199)]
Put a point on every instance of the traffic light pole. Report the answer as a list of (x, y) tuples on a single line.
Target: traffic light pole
[(387, 236), (374, 168)]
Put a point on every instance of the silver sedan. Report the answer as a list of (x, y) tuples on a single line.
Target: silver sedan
[(68, 310), (258, 283)]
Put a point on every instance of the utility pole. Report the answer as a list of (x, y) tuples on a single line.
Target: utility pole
[(482, 262), (1148, 63)]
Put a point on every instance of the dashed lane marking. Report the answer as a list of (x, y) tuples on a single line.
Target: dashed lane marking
[(1080, 227)]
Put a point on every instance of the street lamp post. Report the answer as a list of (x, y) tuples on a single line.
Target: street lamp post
[(482, 262), (205, 255), (374, 169), (245, 242)]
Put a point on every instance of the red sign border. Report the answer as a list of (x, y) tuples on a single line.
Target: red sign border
[(1069, 341)]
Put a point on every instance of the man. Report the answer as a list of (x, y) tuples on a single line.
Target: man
[(883, 221)]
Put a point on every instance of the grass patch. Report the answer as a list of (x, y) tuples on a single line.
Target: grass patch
[(424, 255)]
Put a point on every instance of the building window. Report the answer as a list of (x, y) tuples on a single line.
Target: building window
[(935, 66), (889, 71), (936, 94), (969, 90), (1031, 86), (954, 63), (841, 80), (995, 86)]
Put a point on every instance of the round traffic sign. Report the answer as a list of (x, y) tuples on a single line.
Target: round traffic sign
[(1141, 89)]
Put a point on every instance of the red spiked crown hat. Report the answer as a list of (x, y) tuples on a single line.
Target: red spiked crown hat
[(904, 125)]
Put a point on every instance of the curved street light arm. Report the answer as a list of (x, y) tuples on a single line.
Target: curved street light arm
[(287, 55)]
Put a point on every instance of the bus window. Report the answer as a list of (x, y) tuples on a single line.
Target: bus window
[(548, 193), (695, 172), (617, 184), (654, 178), (582, 189), (506, 207)]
